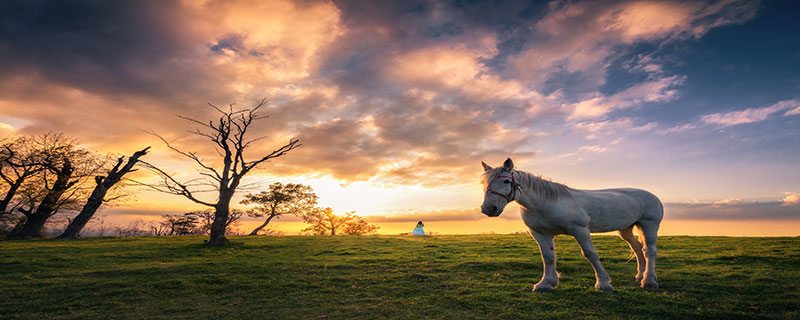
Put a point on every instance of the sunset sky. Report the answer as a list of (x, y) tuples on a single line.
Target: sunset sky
[(397, 102)]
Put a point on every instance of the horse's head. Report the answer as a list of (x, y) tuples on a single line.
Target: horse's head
[(500, 187)]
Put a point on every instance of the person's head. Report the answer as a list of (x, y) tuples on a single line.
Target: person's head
[(420, 223)]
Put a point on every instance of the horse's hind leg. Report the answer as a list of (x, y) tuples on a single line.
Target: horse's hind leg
[(584, 239), (636, 246), (649, 230)]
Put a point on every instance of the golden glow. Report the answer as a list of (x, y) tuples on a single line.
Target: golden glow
[(371, 198), (745, 228)]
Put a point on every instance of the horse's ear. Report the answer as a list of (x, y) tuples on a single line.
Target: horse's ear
[(508, 165), (486, 167)]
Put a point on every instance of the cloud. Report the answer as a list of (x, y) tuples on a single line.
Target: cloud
[(408, 92), (792, 112), (788, 207), (579, 37), (593, 130), (7, 130), (750, 115), (596, 149), (658, 90), (677, 129), (420, 142), (790, 199)]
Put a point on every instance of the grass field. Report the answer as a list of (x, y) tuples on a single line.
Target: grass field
[(452, 277)]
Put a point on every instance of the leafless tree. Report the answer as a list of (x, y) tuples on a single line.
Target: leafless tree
[(100, 224), (98, 196), (133, 229), (158, 229), (228, 135), (180, 224)]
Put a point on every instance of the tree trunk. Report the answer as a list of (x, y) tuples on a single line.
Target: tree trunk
[(255, 232), (36, 219), (221, 213), (75, 226), (17, 228), (32, 228)]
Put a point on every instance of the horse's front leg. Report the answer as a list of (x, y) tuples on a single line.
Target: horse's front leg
[(547, 248), (584, 239)]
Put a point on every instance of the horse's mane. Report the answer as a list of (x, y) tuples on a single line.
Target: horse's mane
[(543, 187)]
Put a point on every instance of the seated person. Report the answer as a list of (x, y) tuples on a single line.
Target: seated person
[(418, 230)]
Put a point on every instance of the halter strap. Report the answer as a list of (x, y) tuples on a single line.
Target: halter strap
[(510, 196)]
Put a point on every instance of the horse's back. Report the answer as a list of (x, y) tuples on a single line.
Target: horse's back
[(615, 209)]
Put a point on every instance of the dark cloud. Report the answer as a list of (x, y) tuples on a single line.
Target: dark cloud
[(99, 46)]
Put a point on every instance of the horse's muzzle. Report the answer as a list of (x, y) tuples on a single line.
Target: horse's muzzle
[(492, 211)]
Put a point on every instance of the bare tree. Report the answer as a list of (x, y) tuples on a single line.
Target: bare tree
[(180, 224), (133, 229), (100, 225), (98, 196), (158, 229), (323, 221), (228, 134), (280, 199), (57, 186)]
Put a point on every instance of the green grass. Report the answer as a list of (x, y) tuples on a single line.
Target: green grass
[(449, 277)]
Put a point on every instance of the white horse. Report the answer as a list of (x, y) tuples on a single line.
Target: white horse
[(550, 209)]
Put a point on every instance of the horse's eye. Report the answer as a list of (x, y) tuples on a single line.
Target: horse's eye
[(507, 182)]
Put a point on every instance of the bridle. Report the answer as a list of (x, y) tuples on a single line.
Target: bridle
[(514, 185)]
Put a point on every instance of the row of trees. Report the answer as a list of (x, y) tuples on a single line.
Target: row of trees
[(43, 175), (47, 174), (195, 222)]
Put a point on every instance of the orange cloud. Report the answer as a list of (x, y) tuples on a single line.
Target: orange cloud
[(790, 199)]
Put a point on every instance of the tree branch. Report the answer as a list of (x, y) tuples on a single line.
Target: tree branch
[(172, 186), (293, 144), (188, 154)]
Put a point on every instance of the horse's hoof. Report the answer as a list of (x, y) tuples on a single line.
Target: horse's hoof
[(649, 284), (542, 289), (605, 287)]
